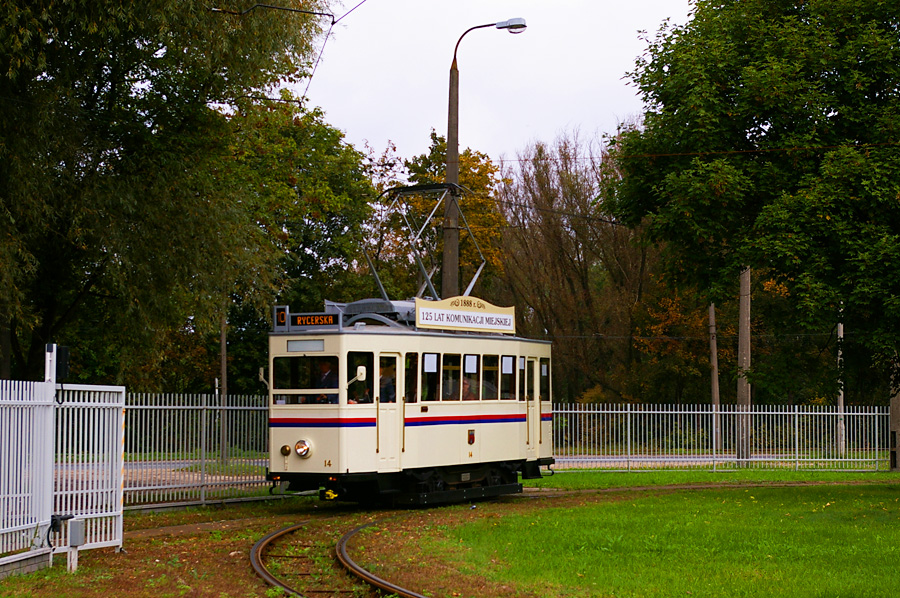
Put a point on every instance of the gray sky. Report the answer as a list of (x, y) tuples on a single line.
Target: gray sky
[(384, 74)]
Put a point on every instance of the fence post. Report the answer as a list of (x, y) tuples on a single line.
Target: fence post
[(796, 439)]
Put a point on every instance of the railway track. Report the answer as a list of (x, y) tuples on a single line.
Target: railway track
[(291, 559)]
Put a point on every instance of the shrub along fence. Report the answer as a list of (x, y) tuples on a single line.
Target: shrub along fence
[(195, 449)]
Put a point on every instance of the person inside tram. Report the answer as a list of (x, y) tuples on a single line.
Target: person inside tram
[(388, 390), (359, 393), (328, 379), (468, 394)]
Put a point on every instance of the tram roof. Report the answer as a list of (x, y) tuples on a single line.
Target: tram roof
[(371, 316)]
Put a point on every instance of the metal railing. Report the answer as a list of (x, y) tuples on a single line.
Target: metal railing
[(26, 464), (630, 437), (195, 448), (61, 458), (188, 449)]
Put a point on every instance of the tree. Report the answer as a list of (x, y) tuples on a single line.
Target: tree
[(119, 199), (575, 275), (311, 195), (770, 140)]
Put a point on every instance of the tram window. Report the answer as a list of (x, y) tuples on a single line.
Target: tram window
[(450, 377), (471, 377), (490, 380), (508, 377), (521, 378), (412, 377), (545, 379), (529, 377), (387, 379), (360, 391), (305, 372), (430, 377)]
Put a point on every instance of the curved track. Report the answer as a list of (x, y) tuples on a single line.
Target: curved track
[(366, 576), (259, 559)]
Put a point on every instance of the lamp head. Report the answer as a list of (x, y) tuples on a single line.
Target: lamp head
[(512, 25)]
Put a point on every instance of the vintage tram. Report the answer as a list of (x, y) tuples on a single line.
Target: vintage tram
[(407, 402)]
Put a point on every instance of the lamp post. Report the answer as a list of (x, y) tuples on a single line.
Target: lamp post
[(450, 270)]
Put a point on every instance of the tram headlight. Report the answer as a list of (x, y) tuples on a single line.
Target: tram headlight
[(286, 450), (303, 448)]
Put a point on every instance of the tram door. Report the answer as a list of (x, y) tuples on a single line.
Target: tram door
[(532, 410), (387, 422)]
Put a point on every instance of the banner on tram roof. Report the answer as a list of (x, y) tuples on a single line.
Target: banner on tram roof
[(465, 313)]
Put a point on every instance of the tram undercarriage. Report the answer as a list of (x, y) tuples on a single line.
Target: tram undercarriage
[(424, 486)]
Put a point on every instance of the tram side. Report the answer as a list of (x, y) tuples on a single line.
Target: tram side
[(409, 416)]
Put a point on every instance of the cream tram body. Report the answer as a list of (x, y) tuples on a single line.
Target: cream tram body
[(363, 407)]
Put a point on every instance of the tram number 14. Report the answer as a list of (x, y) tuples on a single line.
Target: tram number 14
[(327, 462)]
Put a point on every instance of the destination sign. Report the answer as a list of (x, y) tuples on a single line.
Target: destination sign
[(313, 320), (465, 313), (286, 321)]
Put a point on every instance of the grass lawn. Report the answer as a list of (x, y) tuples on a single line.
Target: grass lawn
[(811, 541), (582, 480)]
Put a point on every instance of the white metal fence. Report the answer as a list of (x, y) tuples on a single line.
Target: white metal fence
[(629, 437), (61, 455), (195, 448), (26, 464)]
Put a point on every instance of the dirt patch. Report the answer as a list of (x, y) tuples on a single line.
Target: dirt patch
[(205, 552)]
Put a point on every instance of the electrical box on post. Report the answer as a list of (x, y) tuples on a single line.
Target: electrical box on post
[(76, 533), (62, 363)]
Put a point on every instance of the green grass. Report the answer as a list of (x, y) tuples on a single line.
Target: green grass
[(813, 541), (582, 480)]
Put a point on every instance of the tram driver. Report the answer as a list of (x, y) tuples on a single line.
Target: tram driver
[(328, 379)]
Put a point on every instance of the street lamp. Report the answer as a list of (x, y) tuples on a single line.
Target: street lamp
[(450, 271)]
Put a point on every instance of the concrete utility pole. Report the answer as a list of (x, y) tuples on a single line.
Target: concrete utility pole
[(714, 375), (894, 430), (450, 262), (841, 431), (743, 384), (223, 389)]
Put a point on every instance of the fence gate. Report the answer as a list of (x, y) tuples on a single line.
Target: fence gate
[(61, 466), (88, 473)]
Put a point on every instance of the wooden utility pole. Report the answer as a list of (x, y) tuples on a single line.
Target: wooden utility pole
[(743, 384)]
